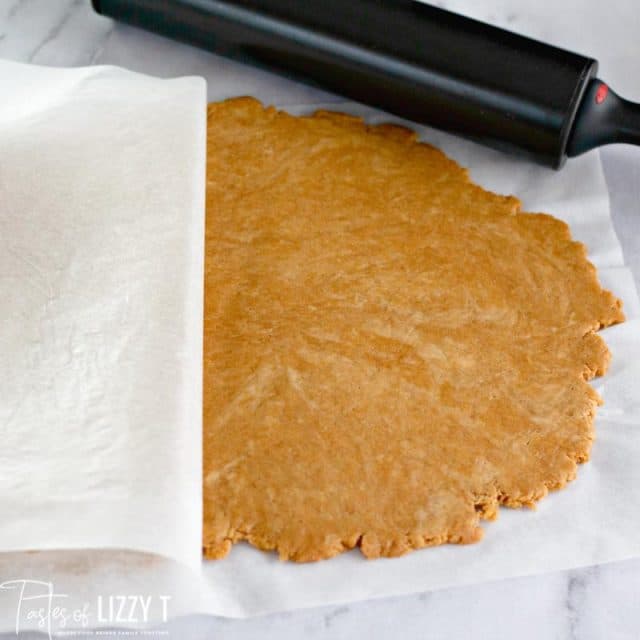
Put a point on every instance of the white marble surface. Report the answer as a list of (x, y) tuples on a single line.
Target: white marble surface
[(593, 603)]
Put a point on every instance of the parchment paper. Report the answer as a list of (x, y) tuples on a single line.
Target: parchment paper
[(101, 218), (101, 264)]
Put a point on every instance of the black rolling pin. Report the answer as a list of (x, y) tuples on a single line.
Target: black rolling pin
[(415, 60)]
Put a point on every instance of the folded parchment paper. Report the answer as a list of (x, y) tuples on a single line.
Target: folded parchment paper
[(101, 217), (101, 263)]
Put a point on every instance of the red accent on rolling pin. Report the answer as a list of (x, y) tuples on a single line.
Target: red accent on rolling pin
[(601, 93)]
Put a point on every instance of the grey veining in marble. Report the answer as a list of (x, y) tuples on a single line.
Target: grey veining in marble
[(586, 604)]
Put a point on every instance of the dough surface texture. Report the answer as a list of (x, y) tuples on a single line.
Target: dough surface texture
[(390, 352)]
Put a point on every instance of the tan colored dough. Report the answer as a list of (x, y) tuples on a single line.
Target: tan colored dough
[(391, 352)]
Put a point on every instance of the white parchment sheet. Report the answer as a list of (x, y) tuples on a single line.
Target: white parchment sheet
[(101, 233), (101, 264)]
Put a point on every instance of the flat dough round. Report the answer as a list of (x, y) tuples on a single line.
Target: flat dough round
[(391, 352)]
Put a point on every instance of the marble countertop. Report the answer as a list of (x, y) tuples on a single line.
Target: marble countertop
[(592, 603)]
